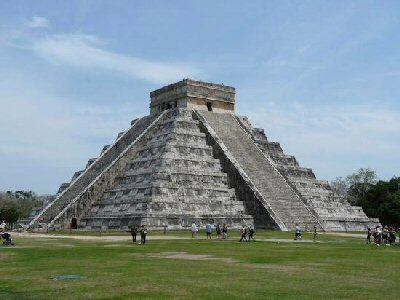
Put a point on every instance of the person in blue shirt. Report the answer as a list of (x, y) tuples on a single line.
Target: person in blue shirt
[(208, 231)]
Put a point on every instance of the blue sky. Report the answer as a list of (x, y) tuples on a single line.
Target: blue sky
[(321, 77)]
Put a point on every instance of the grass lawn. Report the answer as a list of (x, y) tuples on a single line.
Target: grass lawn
[(332, 267)]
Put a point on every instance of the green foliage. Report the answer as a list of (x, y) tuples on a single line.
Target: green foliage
[(379, 199), (383, 201), (9, 211), (17, 205)]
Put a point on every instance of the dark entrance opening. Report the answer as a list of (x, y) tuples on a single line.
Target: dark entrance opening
[(74, 223), (209, 106), (169, 106)]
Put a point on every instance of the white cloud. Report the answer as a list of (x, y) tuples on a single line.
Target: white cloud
[(38, 22), (86, 51)]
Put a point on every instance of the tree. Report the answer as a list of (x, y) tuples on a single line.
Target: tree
[(16, 205), (383, 201), (355, 185), (9, 211), (359, 183), (340, 187)]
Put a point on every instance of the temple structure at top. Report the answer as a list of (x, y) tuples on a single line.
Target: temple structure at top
[(192, 159), (196, 95)]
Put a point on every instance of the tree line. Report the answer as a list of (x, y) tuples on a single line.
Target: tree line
[(378, 198), (17, 205)]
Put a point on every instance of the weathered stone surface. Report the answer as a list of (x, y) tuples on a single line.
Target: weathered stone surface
[(333, 211), (275, 194), (193, 160)]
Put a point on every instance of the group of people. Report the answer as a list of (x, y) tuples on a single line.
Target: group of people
[(298, 236), (246, 233), (386, 236), (220, 230), (143, 233)]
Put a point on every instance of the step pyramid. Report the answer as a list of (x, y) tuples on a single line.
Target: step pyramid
[(193, 160)]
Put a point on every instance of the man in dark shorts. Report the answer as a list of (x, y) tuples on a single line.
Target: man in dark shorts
[(369, 233), (243, 234), (218, 231), (250, 232), (143, 233), (224, 232), (133, 232), (315, 233), (208, 231)]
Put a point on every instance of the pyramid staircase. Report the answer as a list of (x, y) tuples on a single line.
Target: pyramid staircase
[(274, 193), (166, 176), (88, 183), (332, 210)]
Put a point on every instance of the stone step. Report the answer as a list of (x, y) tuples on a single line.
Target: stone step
[(163, 162), (268, 181), (92, 172)]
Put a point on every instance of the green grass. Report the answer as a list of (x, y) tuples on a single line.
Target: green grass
[(333, 267)]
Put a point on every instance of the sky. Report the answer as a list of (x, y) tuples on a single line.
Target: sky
[(321, 77)]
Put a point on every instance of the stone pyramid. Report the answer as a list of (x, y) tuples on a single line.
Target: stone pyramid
[(193, 160)]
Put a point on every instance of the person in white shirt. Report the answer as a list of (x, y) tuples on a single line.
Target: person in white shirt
[(194, 229), (3, 226)]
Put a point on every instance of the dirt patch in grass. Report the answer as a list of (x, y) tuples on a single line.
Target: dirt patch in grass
[(275, 267), (188, 256), (207, 257)]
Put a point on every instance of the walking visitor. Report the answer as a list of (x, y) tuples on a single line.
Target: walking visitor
[(315, 233), (243, 234), (218, 231), (133, 232), (143, 233), (297, 233), (208, 231), (194, 230), (224, 232), (250, 231)]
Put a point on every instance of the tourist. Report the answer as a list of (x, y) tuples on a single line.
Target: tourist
[(315, 233), (143, 233), (378, 235), (297, 233), (250, 231), (398, 230), (385, 235), (208, 231), (392, 236), (218, 231), (224, 232), (3, 226), (369, 235), (243, 234), (133, 232), (194, 229), (7, 238)]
